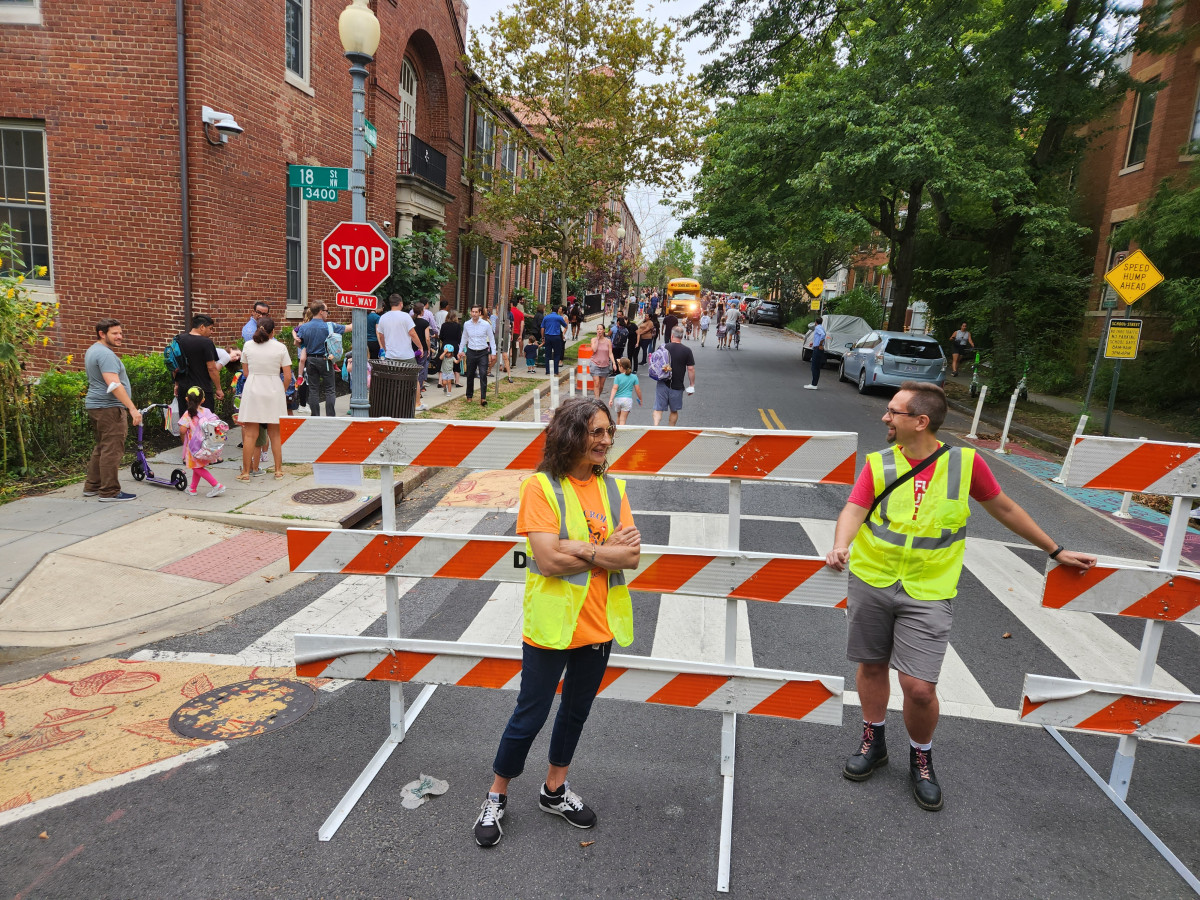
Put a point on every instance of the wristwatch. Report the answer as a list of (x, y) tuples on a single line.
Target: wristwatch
[(1057, 550)]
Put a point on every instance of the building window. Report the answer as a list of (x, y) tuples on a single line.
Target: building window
[(498, 281), (477, 289), (508, 159), (1139, 134), (295, 38), (1194, 138), (23, 202), (408, 100), (21, 12), (485, 146), (543, 287), (296, 293)]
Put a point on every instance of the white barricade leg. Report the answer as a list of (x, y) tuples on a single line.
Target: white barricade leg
[(974, 435), (537, 404), (1061, 477), (729, 720), (1012, 405), (399, 719), (1122, 769)]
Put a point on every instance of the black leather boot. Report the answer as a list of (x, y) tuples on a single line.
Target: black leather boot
[(871, 754), (926, 790)]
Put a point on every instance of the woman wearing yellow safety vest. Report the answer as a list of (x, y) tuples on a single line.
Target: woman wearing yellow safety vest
[(579, 536)]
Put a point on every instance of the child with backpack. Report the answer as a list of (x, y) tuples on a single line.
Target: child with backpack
[(203, 437)]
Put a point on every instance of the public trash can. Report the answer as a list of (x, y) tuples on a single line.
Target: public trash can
[(394, 390)]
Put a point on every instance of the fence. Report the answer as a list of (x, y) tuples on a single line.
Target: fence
[(734, 455)]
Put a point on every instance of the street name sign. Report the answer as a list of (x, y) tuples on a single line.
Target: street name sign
[(356, 301), (319, 176), (1133, 277), (356, 257), (1124, 336)]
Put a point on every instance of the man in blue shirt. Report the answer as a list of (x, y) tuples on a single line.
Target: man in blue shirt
[(553, 325), (818, 354), (372, 334), (314, 361), (260, 309)]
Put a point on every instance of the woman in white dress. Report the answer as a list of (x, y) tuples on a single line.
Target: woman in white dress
[(263, 395)]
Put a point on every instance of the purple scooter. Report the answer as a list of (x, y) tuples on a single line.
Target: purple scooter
[(141, 470)]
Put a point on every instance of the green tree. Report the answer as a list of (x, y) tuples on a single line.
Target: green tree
[(607, 103), (719, 267), (420, 266)]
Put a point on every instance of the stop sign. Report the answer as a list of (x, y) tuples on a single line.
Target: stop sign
[(356, 256)]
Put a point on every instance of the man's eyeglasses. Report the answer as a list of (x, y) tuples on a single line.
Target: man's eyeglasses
[(899, 412), (596, 433)]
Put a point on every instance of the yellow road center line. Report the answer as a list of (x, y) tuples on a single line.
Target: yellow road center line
[(776, 418), (766, 421)]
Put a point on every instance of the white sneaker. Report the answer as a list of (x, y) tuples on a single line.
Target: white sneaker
[(421, 407), (217, 491), (810, 387)]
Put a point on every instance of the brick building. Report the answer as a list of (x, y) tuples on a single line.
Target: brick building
[(1144, 142), (93, 154)]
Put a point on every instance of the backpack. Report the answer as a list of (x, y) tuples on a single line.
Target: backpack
[(174, 358), (660, 364), (206, 437), (620, 338), (333, 344)]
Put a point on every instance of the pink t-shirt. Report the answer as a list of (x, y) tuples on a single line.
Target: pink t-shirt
[(984, 485)]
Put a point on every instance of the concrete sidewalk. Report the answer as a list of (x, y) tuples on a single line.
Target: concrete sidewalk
[(1123, 424)]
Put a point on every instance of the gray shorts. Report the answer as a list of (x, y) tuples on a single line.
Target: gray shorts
[(887, 625), (667, 399), (601, 371)]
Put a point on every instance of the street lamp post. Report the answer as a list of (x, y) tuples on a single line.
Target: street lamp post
[(359, 31)]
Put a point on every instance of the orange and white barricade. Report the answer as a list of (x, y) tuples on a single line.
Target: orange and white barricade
[(732, 455), (583, 370), (1158, 594)]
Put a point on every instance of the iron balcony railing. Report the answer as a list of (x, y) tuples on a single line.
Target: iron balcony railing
[(419, 159)]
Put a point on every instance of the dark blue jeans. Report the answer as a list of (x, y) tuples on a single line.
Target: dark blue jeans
[(540, 671), (818, 363), (555, 346)]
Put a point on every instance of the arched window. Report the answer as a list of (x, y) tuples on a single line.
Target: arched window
[(408, 102)]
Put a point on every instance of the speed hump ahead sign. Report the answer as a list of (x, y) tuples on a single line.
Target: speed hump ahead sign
[(1133, 277), (1124, 336)]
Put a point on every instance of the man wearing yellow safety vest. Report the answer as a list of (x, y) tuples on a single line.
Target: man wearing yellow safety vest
[(580, 536), (907, 517)]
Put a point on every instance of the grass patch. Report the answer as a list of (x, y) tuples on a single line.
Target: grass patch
[(461, 408)]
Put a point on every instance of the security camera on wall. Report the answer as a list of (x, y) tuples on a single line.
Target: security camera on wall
[(223, 122)]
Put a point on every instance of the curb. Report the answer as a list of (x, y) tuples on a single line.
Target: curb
[(521, 404), (1030, 434)]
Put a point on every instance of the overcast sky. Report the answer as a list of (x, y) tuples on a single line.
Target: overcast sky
[(655, 219)]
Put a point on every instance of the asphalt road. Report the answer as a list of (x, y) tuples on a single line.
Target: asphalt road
[(1021, 819)]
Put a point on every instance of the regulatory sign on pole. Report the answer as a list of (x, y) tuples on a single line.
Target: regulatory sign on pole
[(1133, 276), (1124, 337), (356, 257), (356, 301)]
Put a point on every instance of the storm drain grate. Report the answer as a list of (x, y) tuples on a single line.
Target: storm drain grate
[(323, 496)]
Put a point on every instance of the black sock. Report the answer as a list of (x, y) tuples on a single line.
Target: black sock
[(554, 793)]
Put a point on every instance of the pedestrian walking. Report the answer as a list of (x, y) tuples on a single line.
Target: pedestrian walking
[(315, 361), (705, 324), (423, 344), (554, 328), (452, 334), (575, 317), (668, 393), (446, 363), (268, 369), (110, 408), (261, 308), (578, 526), (201, 368), (203, 437), (373, 317), (602, 360), (479, 351), (645, 336), (819, 340), (625, 386), (961, 342), (905, 563), (531, 352)]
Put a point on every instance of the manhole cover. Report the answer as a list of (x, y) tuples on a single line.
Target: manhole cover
[(244, 709), (324, 496)]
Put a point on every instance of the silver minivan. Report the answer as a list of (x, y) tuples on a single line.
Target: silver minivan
[(890, 358)]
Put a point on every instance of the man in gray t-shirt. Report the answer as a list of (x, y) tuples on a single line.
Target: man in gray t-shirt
[(107, 402)]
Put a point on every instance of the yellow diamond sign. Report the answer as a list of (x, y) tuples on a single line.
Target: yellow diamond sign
[(815, 287), (1133, 277)]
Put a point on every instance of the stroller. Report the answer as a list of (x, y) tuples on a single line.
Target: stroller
[(140, 470)]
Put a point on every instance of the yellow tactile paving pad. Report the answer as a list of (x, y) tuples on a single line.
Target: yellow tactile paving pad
[(494, 488), (78, 725)]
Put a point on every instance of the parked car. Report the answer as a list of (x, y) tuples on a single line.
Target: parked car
[(751, 303), (889, 358), (768, 312), (839, 331)]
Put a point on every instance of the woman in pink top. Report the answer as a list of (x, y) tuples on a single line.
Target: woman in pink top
[(602, 359)]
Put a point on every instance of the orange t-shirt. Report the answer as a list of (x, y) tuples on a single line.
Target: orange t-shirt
[(537, 515)]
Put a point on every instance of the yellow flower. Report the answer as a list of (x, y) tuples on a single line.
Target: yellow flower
[(70, 358), (45, 341), (12, 293), (20, 278), (51, 325), (42, 270), (39, 322)]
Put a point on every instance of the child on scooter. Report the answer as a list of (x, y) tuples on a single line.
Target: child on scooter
[(203, 437)]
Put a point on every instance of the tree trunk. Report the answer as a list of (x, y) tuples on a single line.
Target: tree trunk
[(1005, 353), (904, 258)]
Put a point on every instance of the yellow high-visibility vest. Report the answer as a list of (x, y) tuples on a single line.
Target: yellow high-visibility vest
[(924, 554), (552, 604)]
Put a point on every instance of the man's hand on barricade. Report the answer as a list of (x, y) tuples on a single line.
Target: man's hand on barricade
[(628, 536), (837, 558), (1074, 558)]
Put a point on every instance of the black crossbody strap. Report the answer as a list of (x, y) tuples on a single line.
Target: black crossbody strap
[(911, 473)]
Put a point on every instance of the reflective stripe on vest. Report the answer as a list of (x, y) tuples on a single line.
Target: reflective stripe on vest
[(925, 554), (552, 603)]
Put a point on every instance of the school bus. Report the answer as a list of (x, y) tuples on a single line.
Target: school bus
[(683, 297)]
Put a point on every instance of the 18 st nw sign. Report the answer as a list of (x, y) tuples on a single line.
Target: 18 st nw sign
[(357, 257)]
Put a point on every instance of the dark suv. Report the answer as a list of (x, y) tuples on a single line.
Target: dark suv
[(768, 312)]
